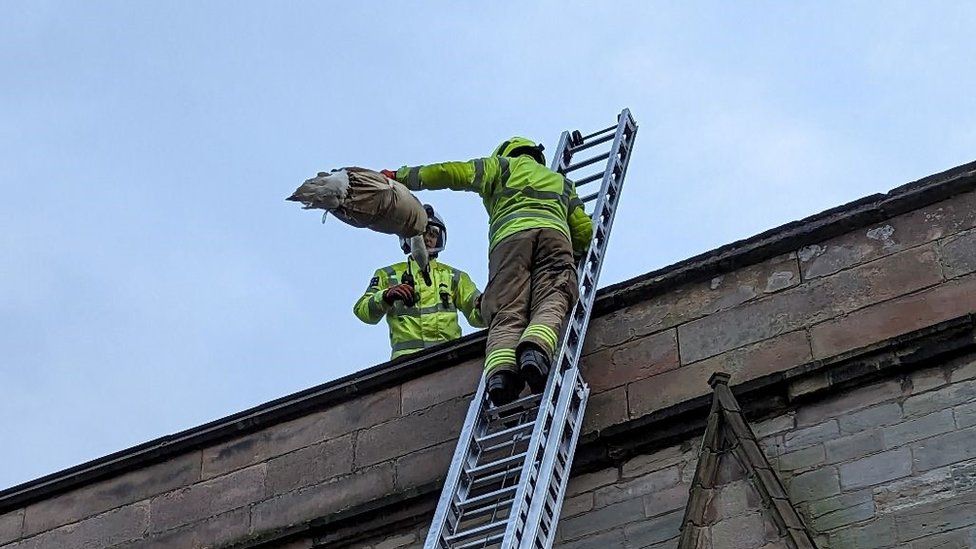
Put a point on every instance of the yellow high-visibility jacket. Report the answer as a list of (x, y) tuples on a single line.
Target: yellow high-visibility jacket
[(433, 319), (519, 194)]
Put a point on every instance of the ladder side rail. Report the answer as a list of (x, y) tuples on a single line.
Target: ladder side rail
[(574, 329), (451, 484), (546, 539), (527, 477), (593, 262)]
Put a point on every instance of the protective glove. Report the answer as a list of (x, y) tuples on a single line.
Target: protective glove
[(400, 292), (390, 174)]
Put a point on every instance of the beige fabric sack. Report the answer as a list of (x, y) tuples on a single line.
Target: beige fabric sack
[(364, 198)]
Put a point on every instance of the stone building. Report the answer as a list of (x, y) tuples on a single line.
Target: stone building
[(848, 338)]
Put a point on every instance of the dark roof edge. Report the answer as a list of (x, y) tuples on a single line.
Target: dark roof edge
[(782, 239)]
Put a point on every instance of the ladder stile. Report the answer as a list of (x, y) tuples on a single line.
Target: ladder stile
[(506, 484)]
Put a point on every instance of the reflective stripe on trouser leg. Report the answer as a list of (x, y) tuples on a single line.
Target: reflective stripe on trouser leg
[(500, 359), (541, 335)]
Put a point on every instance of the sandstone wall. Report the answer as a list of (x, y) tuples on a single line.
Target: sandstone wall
[(382, 453)]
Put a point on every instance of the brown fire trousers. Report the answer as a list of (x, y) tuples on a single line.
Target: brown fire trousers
[(532, 285)]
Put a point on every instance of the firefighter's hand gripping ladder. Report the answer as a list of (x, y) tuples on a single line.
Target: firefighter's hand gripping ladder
[(508, 476)]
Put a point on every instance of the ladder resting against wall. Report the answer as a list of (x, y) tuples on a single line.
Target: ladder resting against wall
[(509, 472)]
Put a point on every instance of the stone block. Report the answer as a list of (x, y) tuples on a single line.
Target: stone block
[(407, 434), (774, 425), (808, 436), (11, 526), (876, 469), (662, 459), (928, 379), (819, 484), (965, 415), (310, 465), (946, 397), (637, 359), (819, 508), (802, 460), (893, 235), (653, 531), (847, 402), (213, 532), (957, 539), (856, 446), (963, 370), (936, 517), (921, 489), (919, 428), (963, 476), (611, 329), (440, 386), (635, 488), (591, 481), (395, 542), (365, 411), (746, 531), (873, 535), (577, 505), (603, 540), (844, 517), (751, 362), (870, 418), (424, 466), (111, 493), (959, 254), (730, 500), (600, 520), (895, 317), (810, 303), (105, 530), (605, 409), (665, 501), (945, 449), (324, 499), (692, 301), (208, 498)]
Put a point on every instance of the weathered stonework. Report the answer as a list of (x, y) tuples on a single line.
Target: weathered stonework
[(850, 338)]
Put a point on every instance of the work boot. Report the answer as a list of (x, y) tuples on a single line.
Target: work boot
[(504, 387), (534, 367)]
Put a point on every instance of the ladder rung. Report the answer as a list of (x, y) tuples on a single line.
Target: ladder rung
[(590, 144), (503, 435), (533, 399), (494, 466), (604, 130), (587, 162), (481, 542), (478, 500), (494, 477), (589, 179), (480, 530), (489, 509), (590, 197)]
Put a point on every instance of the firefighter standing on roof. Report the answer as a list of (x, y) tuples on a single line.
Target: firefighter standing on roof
[(537, 227), (421, 316)]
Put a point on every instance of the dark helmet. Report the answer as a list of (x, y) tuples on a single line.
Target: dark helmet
[(517, 146), (434, 223)]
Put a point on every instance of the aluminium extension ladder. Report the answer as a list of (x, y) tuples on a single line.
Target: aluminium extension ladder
[(508, 476)]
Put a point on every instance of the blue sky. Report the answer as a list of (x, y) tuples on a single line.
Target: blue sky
[(152, 277)]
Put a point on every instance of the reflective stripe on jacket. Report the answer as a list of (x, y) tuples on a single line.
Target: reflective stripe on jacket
[(518, 193), (433, 319)]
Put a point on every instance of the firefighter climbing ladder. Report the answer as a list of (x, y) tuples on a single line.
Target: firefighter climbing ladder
[(508, 476)]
